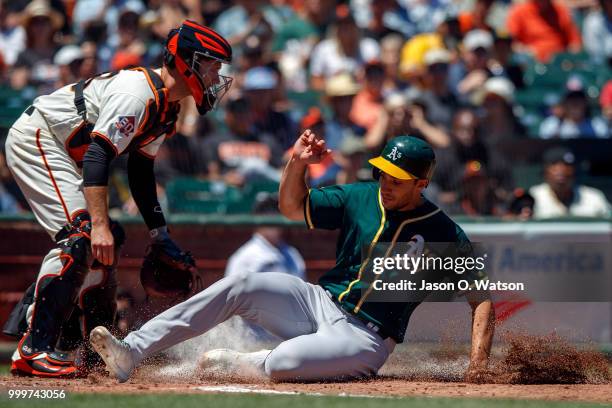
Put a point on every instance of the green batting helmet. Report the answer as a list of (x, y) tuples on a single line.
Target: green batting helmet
[(406, 158)]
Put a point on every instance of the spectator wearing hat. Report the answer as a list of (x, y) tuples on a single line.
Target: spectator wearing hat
[(436, 94), (368, 103), (504, 62), (478, 196), (560, 195), (597, 33), (575, 119), (499, 121), (544, 28), (68, 59), (260, 88), (35, 63), (12, 34), (401, 116), (346, 51), (242, 153), (340, 91), (253, 53), (468, 146), (412, 60), (477, 48)]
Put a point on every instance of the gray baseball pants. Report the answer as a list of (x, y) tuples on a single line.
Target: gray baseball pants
[(321, 341)]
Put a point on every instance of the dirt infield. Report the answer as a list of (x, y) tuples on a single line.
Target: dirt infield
[(382, 386), (527, 367)]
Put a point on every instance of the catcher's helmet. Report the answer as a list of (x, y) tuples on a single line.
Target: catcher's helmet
[(186, 47), (406, 158)]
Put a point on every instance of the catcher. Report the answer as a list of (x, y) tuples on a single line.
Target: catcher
[(59, 151), (330, 330)]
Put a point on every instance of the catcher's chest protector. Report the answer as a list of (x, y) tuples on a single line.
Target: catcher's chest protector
[(160, 117)]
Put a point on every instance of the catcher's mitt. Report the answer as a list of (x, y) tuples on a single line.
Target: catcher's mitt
[(167, 271)]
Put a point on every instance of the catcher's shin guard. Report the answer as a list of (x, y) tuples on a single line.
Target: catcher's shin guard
[(71, 337), (56, 293)]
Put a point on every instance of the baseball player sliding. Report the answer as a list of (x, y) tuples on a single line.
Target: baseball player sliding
[(329, 329), (59, 152)]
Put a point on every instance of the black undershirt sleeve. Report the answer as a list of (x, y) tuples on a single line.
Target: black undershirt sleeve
[(96, 162), (142, 183)]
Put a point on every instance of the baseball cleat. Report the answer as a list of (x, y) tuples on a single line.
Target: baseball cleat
[(115, 353), (43, 366), (234, 363)]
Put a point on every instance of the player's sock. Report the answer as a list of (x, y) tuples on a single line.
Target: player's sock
[(226, 362)]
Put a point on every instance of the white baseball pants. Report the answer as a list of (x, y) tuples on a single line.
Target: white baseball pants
[(321, 341), (51, 183), (45, 173)]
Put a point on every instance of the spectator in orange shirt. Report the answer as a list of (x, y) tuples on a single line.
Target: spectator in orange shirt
[(476, 18), (368, 103), (544, 27)]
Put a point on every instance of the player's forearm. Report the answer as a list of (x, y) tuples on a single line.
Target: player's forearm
[(483, 327), (434, 135), (96, 198), (293, 190), (143, 186)]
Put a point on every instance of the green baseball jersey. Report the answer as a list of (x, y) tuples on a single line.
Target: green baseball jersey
[(357, 211)]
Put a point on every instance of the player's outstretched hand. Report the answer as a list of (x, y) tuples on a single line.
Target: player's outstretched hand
[(310, 149)]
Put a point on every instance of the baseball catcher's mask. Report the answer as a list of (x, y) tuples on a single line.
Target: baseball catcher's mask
[(187, 48)]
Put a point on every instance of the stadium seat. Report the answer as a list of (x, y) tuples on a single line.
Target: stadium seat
[(527, 175), (13, 104), (250, 194), (188, 195)]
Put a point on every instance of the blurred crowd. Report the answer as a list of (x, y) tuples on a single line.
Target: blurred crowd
[(357, 73)]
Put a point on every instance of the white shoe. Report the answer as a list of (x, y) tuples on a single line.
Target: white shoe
[(234, 363), (115, 353)]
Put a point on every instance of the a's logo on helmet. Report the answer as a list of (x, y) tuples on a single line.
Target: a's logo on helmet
[(395, 154)]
